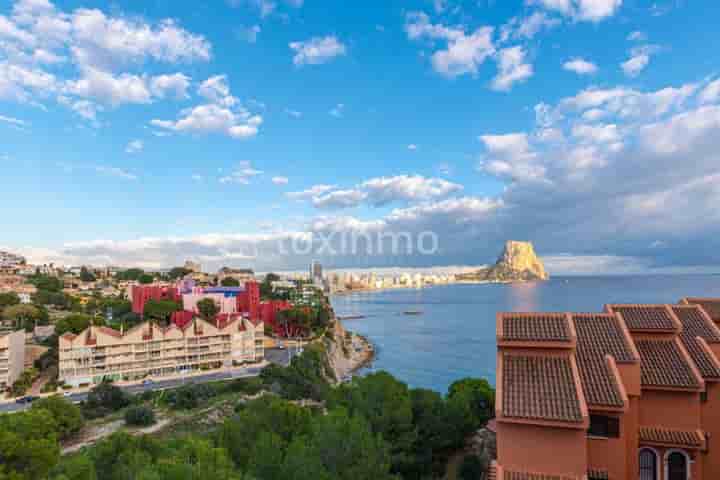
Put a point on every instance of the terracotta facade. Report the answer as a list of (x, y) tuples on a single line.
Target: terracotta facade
[(629, 393)]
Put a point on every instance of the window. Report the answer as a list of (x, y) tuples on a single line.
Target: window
[(604, 426), (648, 464)]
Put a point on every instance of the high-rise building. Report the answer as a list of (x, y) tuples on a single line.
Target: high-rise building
[(12, 357), (194, 267), (315, 271)]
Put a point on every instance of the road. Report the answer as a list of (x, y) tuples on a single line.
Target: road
[(274, 356)]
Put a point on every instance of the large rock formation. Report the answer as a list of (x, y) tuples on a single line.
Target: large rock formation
[(518, 262)]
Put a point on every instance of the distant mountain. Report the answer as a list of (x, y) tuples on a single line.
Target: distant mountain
[(518, 262)]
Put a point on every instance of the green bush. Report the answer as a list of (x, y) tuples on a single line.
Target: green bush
[(103, 399), (140, 416)]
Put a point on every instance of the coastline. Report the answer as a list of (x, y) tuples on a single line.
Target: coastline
[(348, 352)]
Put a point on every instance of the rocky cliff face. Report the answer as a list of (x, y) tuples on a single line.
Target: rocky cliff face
[(518, 262)]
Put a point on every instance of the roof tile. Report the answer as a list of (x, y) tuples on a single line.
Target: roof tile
[(710, 305), (666, 436), (646, 317), (540, 388), (695, 324), (662, 364), (599, 335), (537, 327)]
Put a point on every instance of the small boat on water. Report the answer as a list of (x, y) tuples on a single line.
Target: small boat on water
[(350, 317), (413, 312)]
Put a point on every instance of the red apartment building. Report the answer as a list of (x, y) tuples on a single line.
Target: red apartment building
[(630, 393)]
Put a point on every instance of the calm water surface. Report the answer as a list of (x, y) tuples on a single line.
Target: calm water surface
[(455, 335)]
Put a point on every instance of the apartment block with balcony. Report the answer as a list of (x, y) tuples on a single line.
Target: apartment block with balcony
[(148, 350), (631, 392), (12, 357)]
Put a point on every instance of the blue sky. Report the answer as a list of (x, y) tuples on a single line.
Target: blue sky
[(149, 132)]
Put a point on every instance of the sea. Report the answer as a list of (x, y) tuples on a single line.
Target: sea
[(451, 334)]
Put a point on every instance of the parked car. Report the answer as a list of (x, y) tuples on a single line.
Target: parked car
[(147, 382)]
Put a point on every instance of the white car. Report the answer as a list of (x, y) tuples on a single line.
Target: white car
[(67, 394)]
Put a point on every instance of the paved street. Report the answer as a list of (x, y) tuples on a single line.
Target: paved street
[(171, 382)]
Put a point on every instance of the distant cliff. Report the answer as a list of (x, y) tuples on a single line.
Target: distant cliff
[(518, 262)]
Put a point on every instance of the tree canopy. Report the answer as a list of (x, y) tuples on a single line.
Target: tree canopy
[(208, 309), (23, 316), (160, 310)]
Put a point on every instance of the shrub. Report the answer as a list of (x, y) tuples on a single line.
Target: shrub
[(104, 399), (140, 416)]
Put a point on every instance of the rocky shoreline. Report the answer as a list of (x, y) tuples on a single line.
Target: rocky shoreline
[(348, 352)]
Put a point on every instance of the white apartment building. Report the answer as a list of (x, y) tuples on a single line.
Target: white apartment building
[(12, 357), (148, 350)]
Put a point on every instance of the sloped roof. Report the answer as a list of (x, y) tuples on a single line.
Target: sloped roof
[(646, 317), (599, 335), (536, 327), (695, 325), (540, 388), (710, 305), (662, 364), (670, 437)]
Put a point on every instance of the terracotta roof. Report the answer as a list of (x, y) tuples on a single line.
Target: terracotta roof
[(662, 364), (68, 336), (676, 438), (536, 327), (695, 325), (646, 317), (599, 335), (508, 475), (540, 388), (710, 305)]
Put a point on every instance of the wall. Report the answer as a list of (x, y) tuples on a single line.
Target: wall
[(557, 451)]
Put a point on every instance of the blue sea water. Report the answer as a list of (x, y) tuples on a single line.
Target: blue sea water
[(454, 337)]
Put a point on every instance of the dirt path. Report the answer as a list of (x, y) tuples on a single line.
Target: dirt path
[(91, 434)]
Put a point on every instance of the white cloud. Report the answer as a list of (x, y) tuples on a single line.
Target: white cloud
[(383, 190), (580, 66), (100, 40), (217, 90), (412, 146), (339, 199), (464, 53), (637, 36), (711, 92), (311, 192), (114, 90), (317, 50), (280, 180), (211, 118), (25, 84), (639, 59), (586, 10), (242, 174), (512, 68), (175, 84), (597, 133), (526, 28), (510, 156), (13, 121), (135, 146), (223, 115)]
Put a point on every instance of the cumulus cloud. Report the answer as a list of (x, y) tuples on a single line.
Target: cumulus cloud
[(510, 156), (223, 115), (519, 28), (639, 59), (512, 68), (317, 50), (339, 199), (309, 193), (407, 188), (580, 66), (584, 10), (464, 53), (280, 180), (98, 52)]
